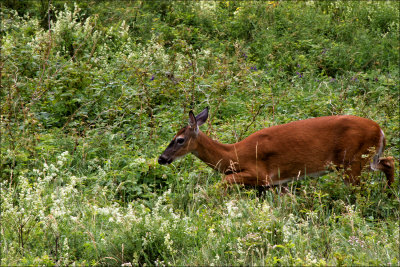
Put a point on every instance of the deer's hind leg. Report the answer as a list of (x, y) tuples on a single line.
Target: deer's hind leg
[(353, 172), (386, 165)]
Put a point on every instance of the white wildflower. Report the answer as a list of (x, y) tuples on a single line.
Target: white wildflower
[(265, 207), (168, 243), (233, 210), (310, 259)]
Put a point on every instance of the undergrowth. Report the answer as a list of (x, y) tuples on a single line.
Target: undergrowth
[(91, 94)]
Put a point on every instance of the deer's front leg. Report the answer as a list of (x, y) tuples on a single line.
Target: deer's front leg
[(244, 178)]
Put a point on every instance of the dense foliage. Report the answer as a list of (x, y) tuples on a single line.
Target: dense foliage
[(91, 94)]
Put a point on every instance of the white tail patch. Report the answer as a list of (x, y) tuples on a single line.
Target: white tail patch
[(375, 161)]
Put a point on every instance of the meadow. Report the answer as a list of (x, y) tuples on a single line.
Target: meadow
[(92, 92)]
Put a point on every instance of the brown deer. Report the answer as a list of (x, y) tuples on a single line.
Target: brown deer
[(283, 153)]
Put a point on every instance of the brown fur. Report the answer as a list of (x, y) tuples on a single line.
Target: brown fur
[(281, 153)]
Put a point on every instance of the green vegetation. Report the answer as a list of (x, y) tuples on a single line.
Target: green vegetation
[(87, 108)]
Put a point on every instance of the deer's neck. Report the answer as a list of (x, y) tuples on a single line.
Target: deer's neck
[(217, 155)]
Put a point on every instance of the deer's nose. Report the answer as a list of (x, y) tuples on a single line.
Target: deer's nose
[(162, 160)]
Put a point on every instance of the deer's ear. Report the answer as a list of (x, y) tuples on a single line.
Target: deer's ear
[(202, 117), (192, 120)]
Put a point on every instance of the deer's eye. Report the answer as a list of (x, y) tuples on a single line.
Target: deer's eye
[(180, 140)]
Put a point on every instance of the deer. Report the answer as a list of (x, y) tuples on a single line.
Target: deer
[(279, 154)]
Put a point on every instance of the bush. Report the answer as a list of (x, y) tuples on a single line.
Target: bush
[(89, 105)]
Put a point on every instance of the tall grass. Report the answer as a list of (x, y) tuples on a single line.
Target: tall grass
[(88, 106)]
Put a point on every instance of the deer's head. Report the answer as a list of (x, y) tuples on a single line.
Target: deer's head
[(185, 141)]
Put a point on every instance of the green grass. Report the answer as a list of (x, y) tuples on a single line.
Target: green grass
[(87, 110)]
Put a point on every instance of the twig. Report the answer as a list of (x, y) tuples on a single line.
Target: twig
[(252, 121)]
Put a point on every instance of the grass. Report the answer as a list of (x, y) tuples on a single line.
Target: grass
[(87, 108)]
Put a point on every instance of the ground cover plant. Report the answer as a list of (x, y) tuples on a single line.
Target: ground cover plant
[(92, 92)]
